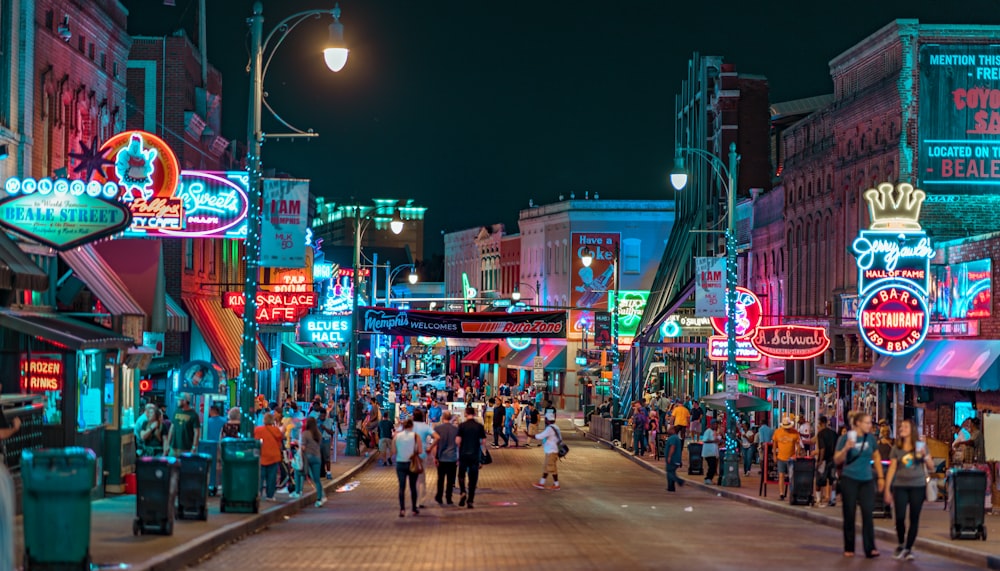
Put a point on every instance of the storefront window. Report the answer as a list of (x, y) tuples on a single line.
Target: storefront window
[(90, 389), (129, 391)]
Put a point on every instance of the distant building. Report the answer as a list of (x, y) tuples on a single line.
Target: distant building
[(334, 224)]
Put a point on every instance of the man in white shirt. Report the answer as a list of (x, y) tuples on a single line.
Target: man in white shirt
[(424, 431), (710, 450), (550, 438)]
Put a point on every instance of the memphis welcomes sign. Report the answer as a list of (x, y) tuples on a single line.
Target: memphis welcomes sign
[(484, 325)]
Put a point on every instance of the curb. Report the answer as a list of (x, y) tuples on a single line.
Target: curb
[(195, 550), (963, 554)]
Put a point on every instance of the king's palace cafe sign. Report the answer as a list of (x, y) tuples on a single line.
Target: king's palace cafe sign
[(893, 258)]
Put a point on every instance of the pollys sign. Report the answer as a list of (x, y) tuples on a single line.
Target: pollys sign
[(893, 258), (274, 307)]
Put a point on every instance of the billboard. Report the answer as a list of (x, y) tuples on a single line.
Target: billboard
[(961, 291), (710, 287), (283, 228), (589, 286), (959, 118)]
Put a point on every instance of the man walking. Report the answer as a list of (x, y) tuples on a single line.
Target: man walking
[(786, 446), (470, 439), (710, 450), (185, 428), (697, 414), (681, 416), (674, 446), (385, 433), (826, 446), (445, 453), (550, 438), (640, 422), (499, 416)]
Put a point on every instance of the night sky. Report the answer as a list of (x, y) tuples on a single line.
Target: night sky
[(473, 107)]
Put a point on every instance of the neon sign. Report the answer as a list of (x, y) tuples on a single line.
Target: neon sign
[(748, 314), (61, 213), (273, 307), (144, 167), (718, 349), (631, 304), (791, 342), (893, 258), (518, 343), (42, 372), (324, 329), (962, 290), (204, 205)]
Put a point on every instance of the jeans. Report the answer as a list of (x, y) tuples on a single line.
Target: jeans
[(498, 433), (672, 478), (854, 493), (509, 433), (324, 449), (403, 473), (300, 476), (747, 459), (315, 465), (268, 475), (913, 496), (713, 467), (468, 466), (445, 480), (639, 442)]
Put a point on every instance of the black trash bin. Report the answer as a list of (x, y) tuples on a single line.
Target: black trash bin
[(881, 508), (156, 480), (616, 429), (967, 503), (800, 492), (192, 492), (695, 464)]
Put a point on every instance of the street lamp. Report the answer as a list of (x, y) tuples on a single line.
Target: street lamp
[(361, 224), (255, 138), (728, 177), (587, 258)]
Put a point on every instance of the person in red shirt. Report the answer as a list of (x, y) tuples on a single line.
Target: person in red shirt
[(270, 454)]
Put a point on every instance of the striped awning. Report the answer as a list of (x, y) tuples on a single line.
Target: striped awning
[(177, 318), (101, 280), (17, 271), (61, 330), (222, 330)]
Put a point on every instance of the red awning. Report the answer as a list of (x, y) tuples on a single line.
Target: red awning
[(223, 332), (485, 353)]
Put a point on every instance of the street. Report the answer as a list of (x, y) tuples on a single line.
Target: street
[(610, 514)]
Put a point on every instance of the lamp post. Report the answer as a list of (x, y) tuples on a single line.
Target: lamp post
[(335, 57), (360, 225), (678, 178)]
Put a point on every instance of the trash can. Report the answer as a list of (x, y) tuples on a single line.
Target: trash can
[(588, 409), (56, 503), (881, 509), (803, 474), (156, 482), (240, 475), (967, 503), (192, 490), (695, 465), (211, 447)]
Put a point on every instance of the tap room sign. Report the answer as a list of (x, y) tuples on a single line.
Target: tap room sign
[(893, 258), (61, 213), (959, 118)]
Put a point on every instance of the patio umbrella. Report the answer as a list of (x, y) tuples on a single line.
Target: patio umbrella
[(744, 403)]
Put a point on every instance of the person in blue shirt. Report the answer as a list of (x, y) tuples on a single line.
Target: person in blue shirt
[(857, 452), (434, 413), (673, 448), (508, 424), (212, 435)]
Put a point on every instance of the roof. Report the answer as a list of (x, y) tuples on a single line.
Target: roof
[(101, 280), (799, 107), (17, 271), (65, 331)]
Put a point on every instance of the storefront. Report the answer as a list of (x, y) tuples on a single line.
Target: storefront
[(482, 362), (520, 367), (299, 371)]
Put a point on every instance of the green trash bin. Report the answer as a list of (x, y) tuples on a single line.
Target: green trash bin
[(56, 502), (240, 475)]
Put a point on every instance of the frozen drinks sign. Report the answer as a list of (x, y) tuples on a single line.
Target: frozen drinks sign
[(893, 259)]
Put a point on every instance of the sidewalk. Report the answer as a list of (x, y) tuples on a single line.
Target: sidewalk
[(113, 545), (934, 531)]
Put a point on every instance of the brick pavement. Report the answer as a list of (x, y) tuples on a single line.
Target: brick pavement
[(610, 514)]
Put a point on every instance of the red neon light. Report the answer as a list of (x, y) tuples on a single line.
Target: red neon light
[(748, 314), (791, 342), (42, 373), (718, 349), (145, 385), (274, 307)]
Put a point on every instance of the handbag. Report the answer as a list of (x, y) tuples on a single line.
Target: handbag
[(485, 458), (931, 485), (416, 464)]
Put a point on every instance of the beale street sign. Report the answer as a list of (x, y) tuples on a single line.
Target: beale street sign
[(272, 307)]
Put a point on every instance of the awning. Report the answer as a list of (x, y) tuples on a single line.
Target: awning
[(223, 332), (554, 357), (17, 271), (177, 318), (674, 304), (138, 263), (293, 356), (485, 353), (591, 370), (744, 403), (65, 331), (852, 371), (950, 364), (334, 362), (91, 269), (765, 378)]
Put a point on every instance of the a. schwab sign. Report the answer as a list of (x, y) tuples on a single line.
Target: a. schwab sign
[(485, 325)]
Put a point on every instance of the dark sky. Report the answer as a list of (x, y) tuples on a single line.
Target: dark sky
[(472, 107)]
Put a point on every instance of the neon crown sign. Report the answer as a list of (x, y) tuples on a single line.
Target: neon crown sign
[(895, 208)]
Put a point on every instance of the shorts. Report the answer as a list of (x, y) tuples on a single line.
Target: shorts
[(384, 445), (532, 429), (695, 428), (551, 461), (825, 473), (783, 466)]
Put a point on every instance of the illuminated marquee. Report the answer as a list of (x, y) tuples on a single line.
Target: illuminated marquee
[(325, 329), (748, 313), (893, 259), (791, 342), (718, 349), (42, 372), (631, 305), (273, 307)]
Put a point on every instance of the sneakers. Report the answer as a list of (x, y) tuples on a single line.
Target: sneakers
[(898, 552), (555, 487), (319, 504), (323, 501), (294, 495), (536, 484), (461, 501), (908, 555), (708, 482)]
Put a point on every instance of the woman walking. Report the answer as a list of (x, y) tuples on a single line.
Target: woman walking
[(857, 452), (312, 457), (406, 445), (908, 468), (270, 454)]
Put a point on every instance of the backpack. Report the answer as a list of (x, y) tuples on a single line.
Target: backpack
[(563, 448)]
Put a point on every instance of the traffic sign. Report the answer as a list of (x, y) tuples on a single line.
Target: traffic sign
[(538, 375), (732, 384), (539, 362)]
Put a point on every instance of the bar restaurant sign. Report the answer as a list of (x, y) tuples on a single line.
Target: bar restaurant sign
[(893, 258)]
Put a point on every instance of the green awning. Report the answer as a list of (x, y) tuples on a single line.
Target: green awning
[(293, 356)]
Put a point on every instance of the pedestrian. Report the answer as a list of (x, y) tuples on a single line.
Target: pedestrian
[(857, 452), (471, 439), (805, 429), (149, 432), (231, 429), (406, 445), (640, 422), (312, 457), (698, 418), (444, 450), (328, 432), (710, 450), (550, 438), (185, 428), (423, 431), (499, 419), (826, 443), (971, 443), (674, 447), (906, 484), (746, 443), (385, 432), (786, 445), (682, 418), (434, 413), (509, 425), (530, 421), (270, 454)]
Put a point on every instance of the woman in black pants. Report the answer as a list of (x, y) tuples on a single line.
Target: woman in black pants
[(857, 453), (910, 464), (406, 445)]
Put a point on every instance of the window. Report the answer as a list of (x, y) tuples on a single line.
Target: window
[(114, 69), (631, 263), (90, 52), (211, 256), (189, 254), (49, 18), (104, 61), (81, 43)]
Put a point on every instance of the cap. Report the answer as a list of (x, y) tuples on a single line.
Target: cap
[(550, 416)]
